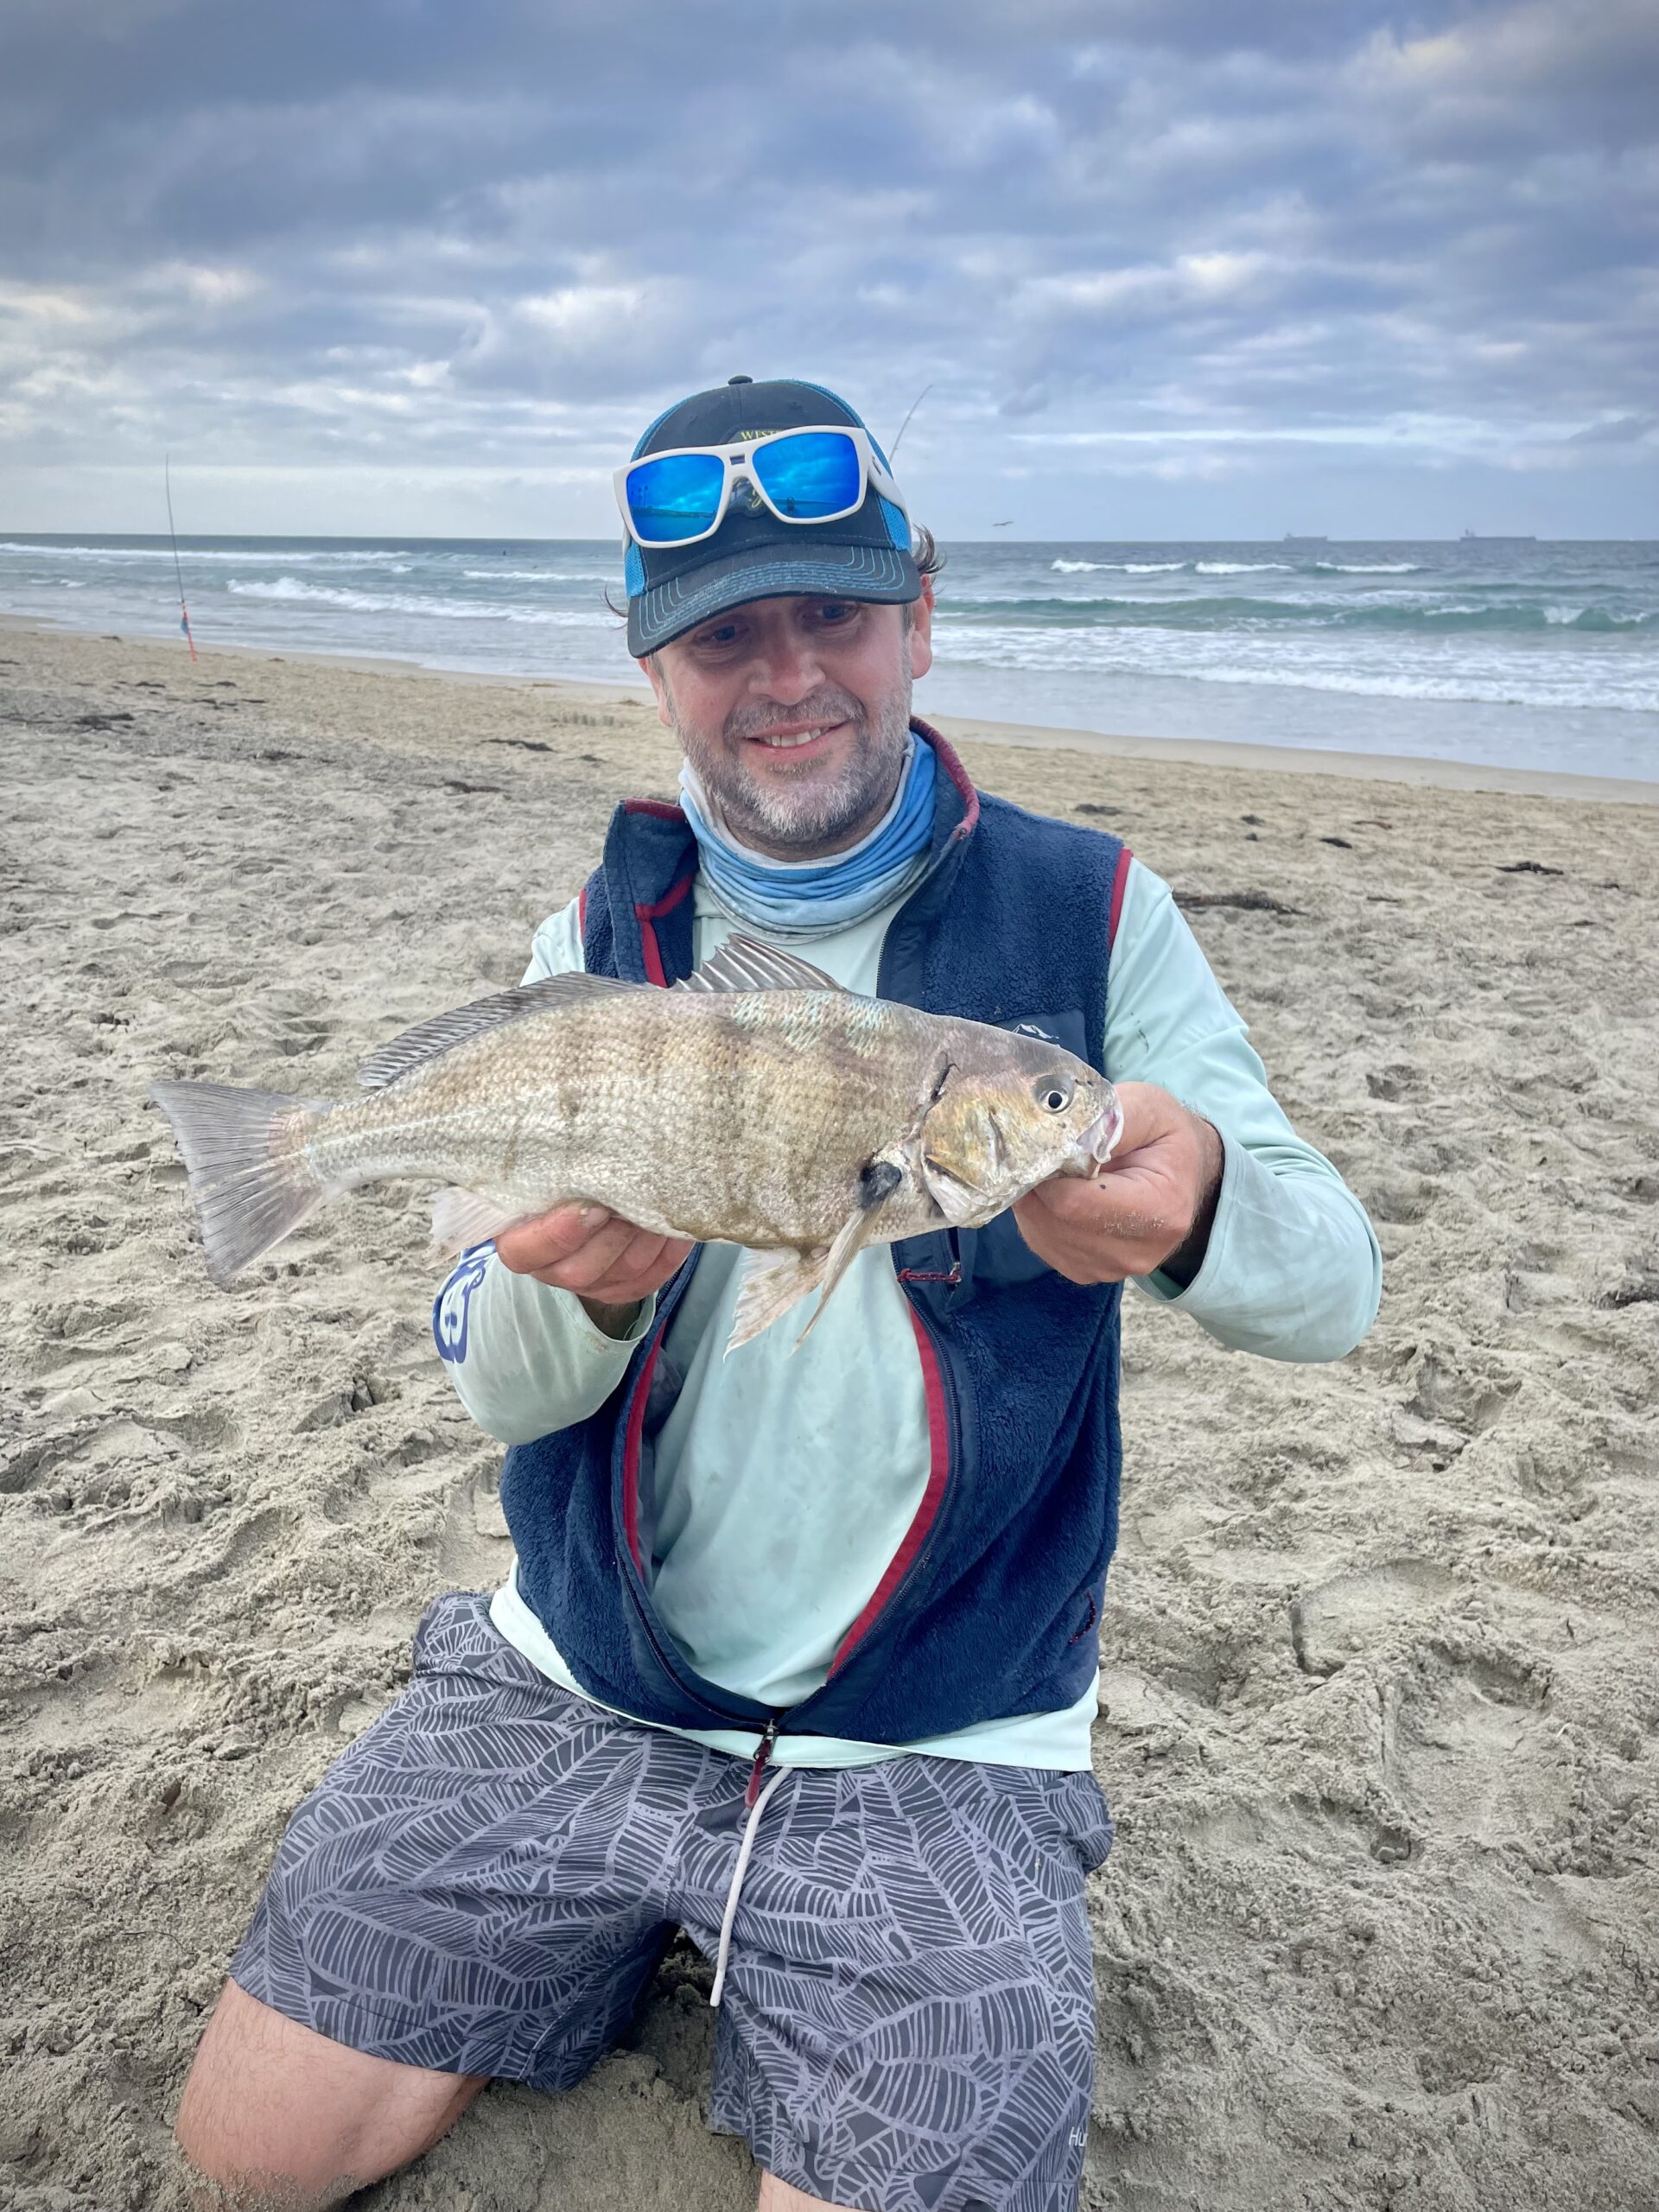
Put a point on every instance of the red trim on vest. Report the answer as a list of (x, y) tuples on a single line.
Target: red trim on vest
[(938, 1442), (582, 910), (631, 1457), (663, 809), (958, 775), (1120, 884), (655, 972)]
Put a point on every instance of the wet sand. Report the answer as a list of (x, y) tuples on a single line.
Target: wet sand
[(1380, 1696)]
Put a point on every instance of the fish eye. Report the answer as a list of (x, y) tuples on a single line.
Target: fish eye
[(1053, 1093)]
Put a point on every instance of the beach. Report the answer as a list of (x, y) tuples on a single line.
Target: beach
[(1380, 1658)]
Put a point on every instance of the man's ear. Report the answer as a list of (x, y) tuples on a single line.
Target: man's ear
[(920, 636), (652, 665)]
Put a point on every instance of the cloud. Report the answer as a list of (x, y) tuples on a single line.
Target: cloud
[(1189, 240)]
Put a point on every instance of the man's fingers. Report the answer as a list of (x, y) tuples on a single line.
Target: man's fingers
[(642, 1269), (550, 1239), (599, 1257), (631, 1265)]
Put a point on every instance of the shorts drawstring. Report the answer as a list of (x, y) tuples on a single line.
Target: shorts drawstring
[(746, 1851)]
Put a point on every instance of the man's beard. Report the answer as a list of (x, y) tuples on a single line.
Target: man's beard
[(812, 809)]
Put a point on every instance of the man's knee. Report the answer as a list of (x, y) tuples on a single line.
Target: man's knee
[(275, 2115)]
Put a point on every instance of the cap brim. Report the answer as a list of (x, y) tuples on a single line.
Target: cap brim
[(880, 574)]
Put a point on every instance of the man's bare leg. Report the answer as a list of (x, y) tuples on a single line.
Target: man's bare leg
[(275, 2115), (777, 2196)]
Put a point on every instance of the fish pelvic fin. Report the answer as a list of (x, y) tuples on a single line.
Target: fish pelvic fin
[(772, 1282), (882, 1176), (245, 1156)]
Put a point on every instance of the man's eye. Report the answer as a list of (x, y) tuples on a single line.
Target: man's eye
[(723, 634), (837, 611)]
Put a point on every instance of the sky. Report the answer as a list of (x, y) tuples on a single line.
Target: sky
[(1161, 267)]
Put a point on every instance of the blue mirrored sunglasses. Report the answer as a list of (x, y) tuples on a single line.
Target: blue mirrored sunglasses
[(805, 476)]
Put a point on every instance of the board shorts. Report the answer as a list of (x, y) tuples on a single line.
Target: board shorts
[(486, 1882)]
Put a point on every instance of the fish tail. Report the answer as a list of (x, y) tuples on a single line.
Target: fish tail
[(244, 1153)]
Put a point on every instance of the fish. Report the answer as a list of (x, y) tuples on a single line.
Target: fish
[(755, 1103)]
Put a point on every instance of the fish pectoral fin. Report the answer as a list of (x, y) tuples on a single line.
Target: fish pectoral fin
[(462, 1023), (743, 964), (772, 1282), (882, 1177), (463, 1218)]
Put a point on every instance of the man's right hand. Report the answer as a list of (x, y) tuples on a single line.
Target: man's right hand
[(608, 1264)]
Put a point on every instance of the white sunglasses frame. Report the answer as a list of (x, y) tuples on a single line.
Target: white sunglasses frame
[(872, 470)]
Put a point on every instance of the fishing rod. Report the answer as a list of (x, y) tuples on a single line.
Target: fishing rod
[(904, 425), (184, 612)]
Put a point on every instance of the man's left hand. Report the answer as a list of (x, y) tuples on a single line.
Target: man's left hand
[(1150, 1207)]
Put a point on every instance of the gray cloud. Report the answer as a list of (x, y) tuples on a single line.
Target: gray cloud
[(1222, 252)]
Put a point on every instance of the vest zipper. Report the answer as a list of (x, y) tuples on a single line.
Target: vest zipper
[(762, 1753)]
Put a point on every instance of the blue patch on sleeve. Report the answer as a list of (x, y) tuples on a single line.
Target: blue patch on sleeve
[(450, 1307)]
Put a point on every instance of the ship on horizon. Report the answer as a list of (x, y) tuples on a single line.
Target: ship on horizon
[(1497, 537), (1295, 538)]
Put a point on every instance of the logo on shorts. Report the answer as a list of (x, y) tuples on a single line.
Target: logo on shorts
[(450, 1308)]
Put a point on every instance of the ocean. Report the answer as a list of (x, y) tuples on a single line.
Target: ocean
[(1515, 652)]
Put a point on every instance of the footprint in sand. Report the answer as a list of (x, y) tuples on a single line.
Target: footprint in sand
[(1355, 1613), (1471, 1754)]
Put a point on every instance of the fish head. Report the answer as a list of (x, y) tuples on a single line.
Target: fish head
[(1008, 1113)]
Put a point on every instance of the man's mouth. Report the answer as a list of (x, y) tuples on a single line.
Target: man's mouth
[(795, 738)]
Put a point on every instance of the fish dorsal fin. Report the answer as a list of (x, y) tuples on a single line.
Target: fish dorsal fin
[(743, 964), (445, 1031)]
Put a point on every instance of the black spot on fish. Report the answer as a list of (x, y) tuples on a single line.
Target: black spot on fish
[(878, 1179)]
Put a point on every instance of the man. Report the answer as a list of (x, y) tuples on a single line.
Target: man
[(799, 1647)]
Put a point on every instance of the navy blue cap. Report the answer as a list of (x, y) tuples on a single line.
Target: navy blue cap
[(752, 555)]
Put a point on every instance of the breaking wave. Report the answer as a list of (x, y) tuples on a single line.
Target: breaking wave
[(1123, 568), (394, 603), (1226, 612), (1238, 568)]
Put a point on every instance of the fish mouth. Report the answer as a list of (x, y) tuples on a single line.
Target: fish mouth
[(1099, 1141)]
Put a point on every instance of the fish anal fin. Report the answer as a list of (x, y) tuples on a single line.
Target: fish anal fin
[(463, 1218), (398, 1055), (743, 964), (772, 1282)]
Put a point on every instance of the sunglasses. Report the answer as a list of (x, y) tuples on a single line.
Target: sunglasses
[(805, 476)]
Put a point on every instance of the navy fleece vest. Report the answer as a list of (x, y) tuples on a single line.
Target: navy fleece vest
[(989, 1607)]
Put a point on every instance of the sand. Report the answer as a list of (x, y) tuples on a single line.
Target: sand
[(1380, 1697)]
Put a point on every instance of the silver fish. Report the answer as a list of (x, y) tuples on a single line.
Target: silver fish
[(756, 1104)]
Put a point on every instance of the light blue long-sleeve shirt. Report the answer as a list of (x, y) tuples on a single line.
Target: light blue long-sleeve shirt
[(782, 1493)]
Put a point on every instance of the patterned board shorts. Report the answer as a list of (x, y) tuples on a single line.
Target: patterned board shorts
[(485, 1882)]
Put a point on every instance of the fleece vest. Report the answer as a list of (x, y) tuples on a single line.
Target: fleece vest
[(989, 1608)]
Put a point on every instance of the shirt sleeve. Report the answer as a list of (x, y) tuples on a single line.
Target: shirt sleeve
[(1293, 1269), (525, 1359)]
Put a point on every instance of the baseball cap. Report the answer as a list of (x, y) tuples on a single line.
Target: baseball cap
[(864, 555)]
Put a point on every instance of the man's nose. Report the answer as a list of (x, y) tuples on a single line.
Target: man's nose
[(788, 669)]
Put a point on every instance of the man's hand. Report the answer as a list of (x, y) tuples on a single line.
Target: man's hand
[(608, 1264), (1150, 1207)]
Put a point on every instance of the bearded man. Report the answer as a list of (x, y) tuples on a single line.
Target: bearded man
[(798, 1651)]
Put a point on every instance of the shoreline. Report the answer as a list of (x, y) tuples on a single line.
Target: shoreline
[(1419, 770)]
